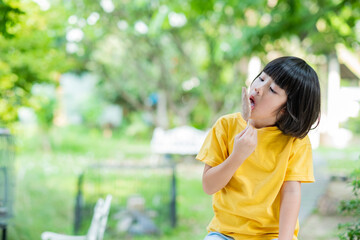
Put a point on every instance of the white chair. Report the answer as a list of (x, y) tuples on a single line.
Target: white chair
[(97, 226)]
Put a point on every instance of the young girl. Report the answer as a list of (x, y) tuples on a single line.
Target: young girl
[(254, 171)]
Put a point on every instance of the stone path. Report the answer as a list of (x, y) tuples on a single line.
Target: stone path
[(311, 192)]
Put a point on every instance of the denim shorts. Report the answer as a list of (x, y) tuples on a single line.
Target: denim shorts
[(218, 236)]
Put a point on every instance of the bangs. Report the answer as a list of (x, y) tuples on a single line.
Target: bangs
[(283, 74)]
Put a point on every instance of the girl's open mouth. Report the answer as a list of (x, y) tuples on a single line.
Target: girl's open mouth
[(252, 102)]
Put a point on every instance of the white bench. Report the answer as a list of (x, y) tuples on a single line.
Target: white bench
[(184, 140), (97, 226)]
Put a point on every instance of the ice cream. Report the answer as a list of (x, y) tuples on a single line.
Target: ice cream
[(246, 107)]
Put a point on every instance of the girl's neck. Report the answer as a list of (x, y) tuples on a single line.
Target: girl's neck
[(261, 124)]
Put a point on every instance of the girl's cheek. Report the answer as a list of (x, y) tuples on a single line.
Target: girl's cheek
[(254, 85)]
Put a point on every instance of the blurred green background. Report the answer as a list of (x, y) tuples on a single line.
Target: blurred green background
[(86, 82)]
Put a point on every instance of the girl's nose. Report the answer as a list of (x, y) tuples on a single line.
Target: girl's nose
[(258, 90)]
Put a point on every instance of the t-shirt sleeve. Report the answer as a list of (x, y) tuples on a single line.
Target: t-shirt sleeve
[(300, 166), (215, 147)]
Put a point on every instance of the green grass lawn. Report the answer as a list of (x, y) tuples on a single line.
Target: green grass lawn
[(46, 185), (340, 161)]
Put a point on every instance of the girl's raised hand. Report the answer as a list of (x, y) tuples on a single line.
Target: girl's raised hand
[(245, 143)]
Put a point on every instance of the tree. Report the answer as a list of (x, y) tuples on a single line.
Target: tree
[(195, 53), (9, 14), (33, 55)]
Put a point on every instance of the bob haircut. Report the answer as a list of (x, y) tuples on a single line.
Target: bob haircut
[(302, 87)]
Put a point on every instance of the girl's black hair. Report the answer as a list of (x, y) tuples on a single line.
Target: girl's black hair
[(302, 87)]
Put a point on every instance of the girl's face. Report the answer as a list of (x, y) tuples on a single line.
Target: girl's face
[(266, 99)]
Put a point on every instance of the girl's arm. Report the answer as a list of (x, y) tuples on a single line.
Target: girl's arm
[(215, 178), (289, 209)]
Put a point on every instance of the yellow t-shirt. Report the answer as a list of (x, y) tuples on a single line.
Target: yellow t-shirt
[(248, 206)]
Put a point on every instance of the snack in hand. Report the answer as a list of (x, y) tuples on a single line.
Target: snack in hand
[(246, 107)]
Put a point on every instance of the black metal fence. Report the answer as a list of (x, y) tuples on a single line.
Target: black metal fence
[(7, 178), (141, 195)]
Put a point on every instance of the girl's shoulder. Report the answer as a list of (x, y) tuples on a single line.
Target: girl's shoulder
[(232, 119), (301, 141), (230, 123), (295, 141), (237, 117)]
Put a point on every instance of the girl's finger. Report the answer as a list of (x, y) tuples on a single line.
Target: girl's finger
[(247, 132), (239, 135), (252, 131)]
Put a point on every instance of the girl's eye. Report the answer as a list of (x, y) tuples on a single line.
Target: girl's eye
[(261, 79), (272, 90)]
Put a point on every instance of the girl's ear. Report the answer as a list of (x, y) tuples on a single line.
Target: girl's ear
[(281, 113)]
